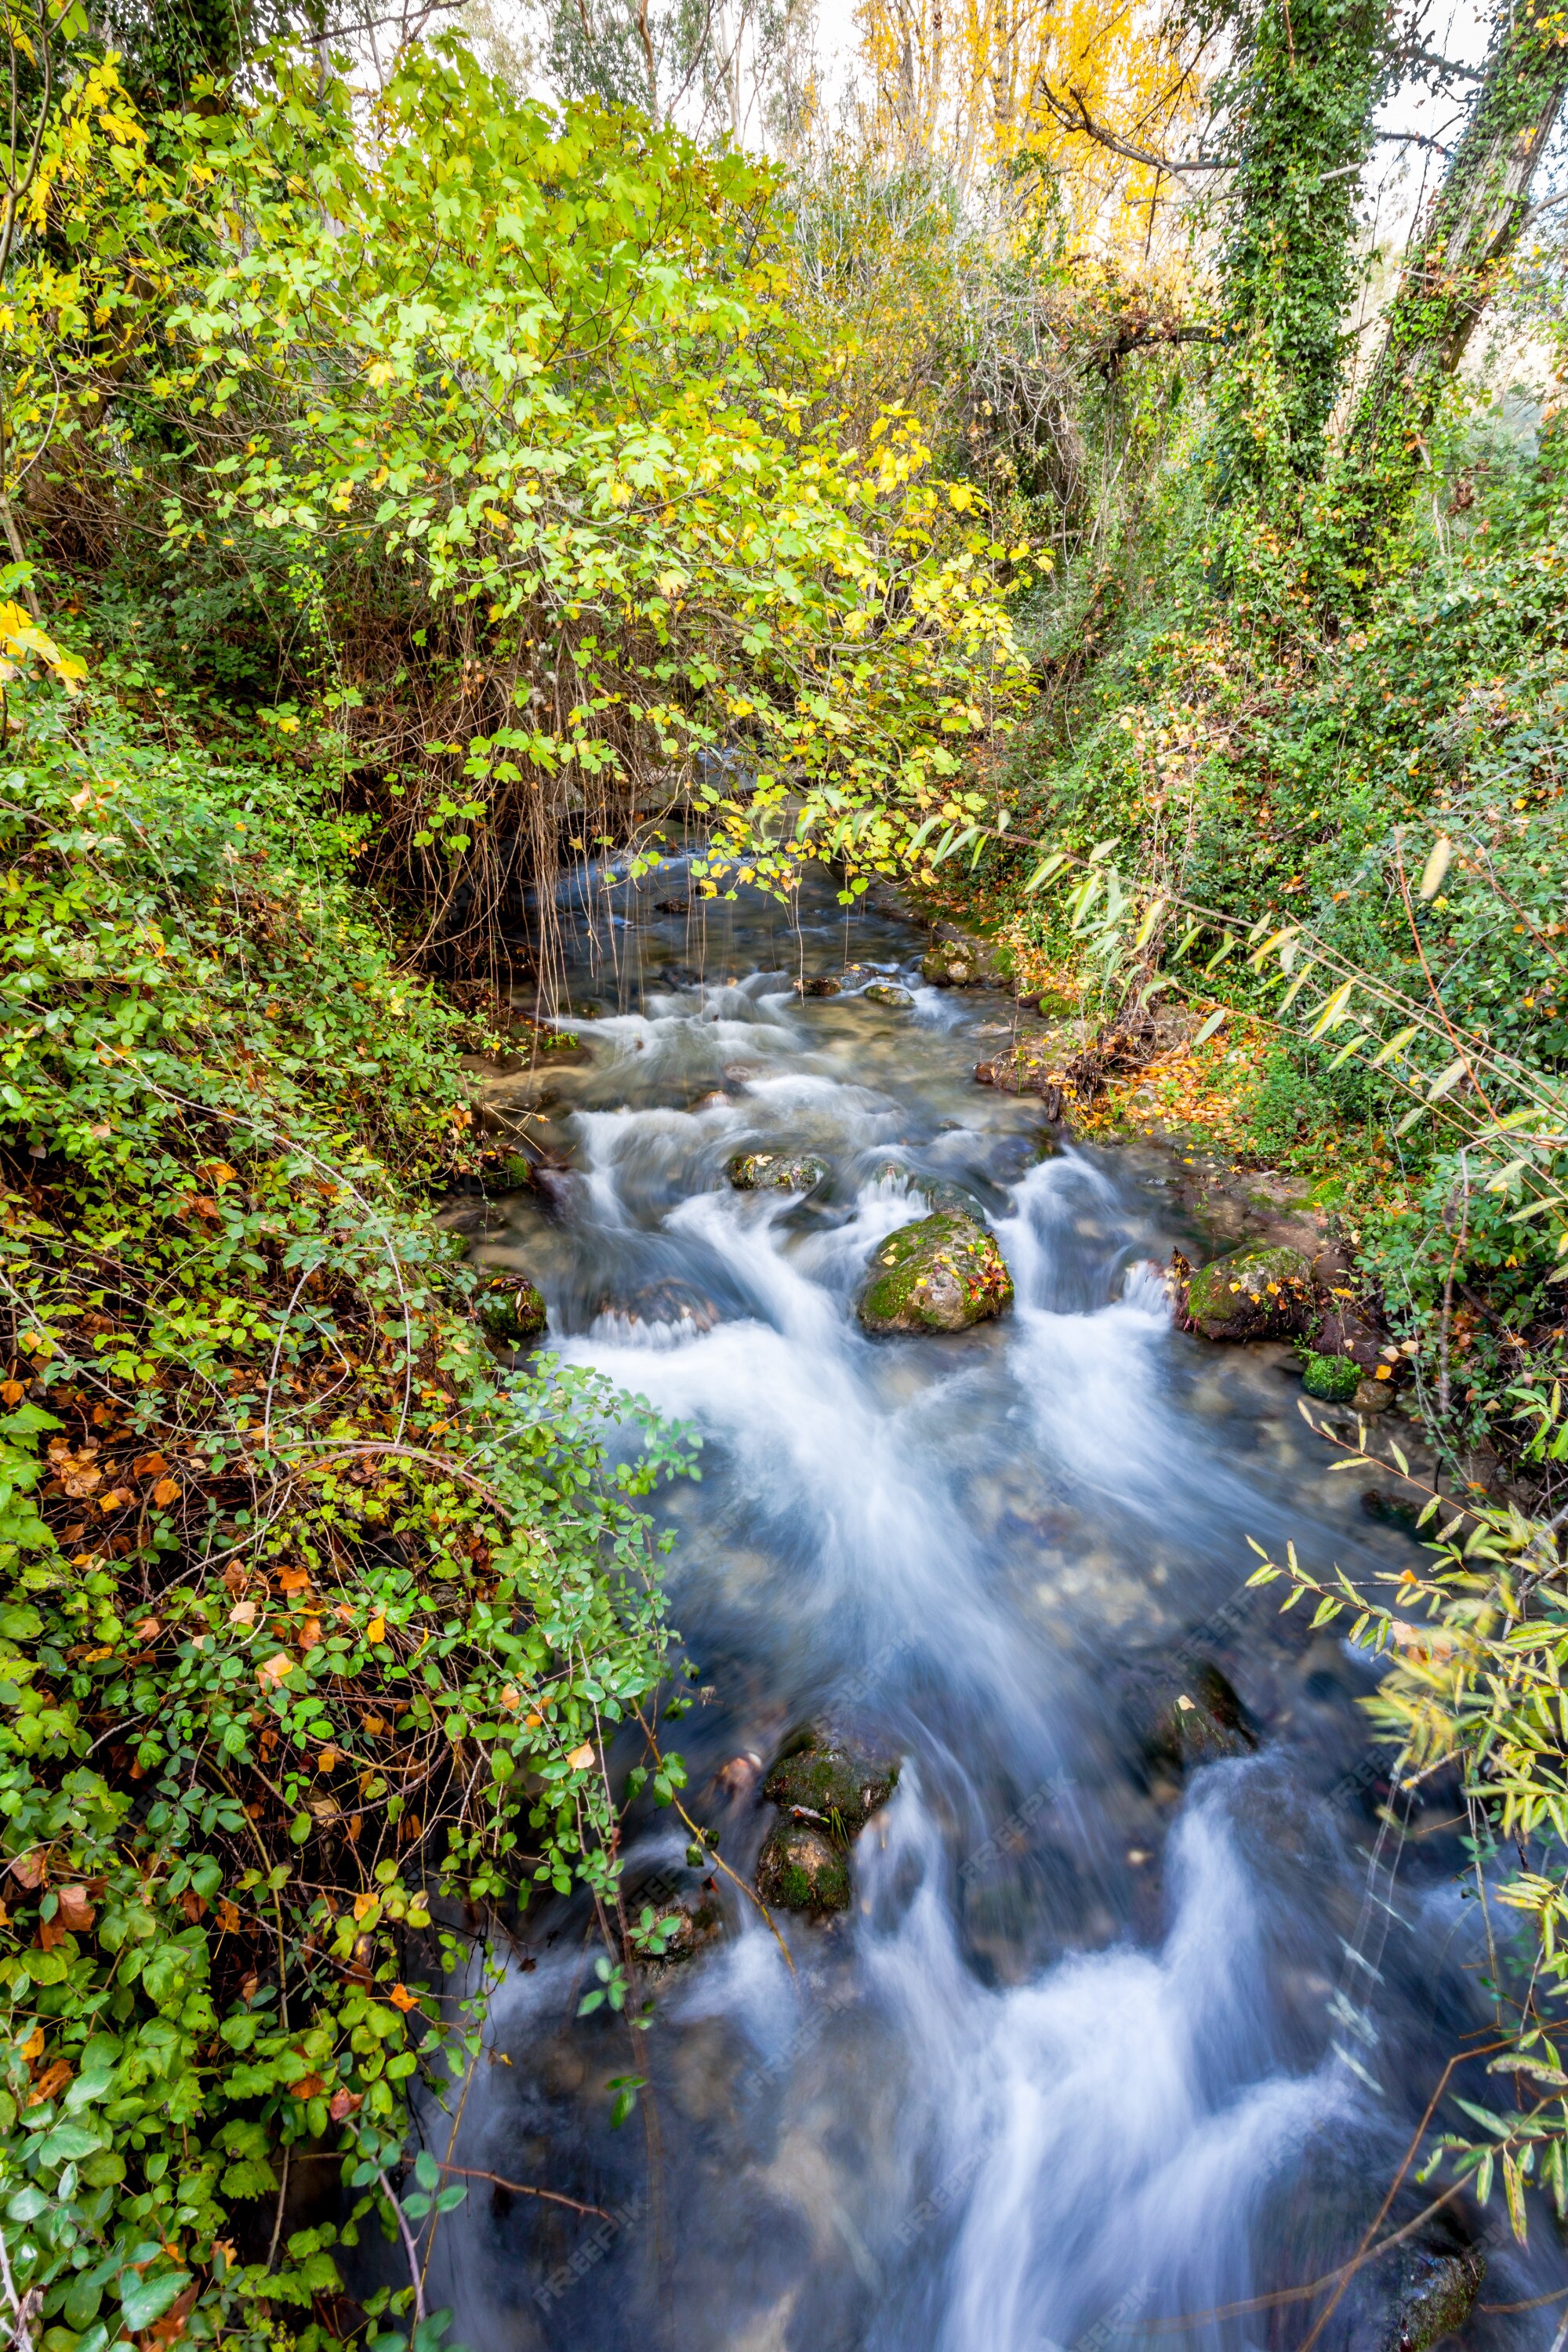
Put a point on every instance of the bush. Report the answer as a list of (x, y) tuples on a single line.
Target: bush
[(312, 1619)]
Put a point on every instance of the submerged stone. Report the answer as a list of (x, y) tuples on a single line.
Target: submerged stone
[(832, 1783), (800, 1869), (511, 1311), (1254, 1294), (776, 1171), (944, 1273), (888, 992)]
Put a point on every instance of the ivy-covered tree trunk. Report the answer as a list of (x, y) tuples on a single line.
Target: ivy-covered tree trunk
[(1303, 103), (1474, 225)]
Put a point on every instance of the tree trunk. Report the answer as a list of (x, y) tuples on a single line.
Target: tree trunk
[(1475, 221)]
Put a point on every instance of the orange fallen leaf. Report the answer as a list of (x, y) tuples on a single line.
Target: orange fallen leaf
[(309, 2086), (52, 2081), (401, 1998), (581, 1757), (376, 1630), (74, 1911), (166, 1491), (275, 1669), (343, 2104)]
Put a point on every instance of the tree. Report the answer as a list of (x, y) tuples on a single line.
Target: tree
[(1473, 226)]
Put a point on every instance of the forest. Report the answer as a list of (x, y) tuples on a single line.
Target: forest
[(1092, 478)]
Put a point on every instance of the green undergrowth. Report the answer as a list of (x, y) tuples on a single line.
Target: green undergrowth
[(1288, 782), (316, 1622)]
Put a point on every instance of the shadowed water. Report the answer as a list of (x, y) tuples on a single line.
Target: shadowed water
[(1069, 2073)]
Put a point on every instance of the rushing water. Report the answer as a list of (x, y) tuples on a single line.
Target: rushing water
[(1095, 2055)]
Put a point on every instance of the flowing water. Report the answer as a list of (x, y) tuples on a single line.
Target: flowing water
[(1098, 2052)]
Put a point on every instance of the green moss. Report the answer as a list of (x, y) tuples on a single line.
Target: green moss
[(1335, 1379), (831, 1781), (800, 1869), (511, 1311), (942, 1274)]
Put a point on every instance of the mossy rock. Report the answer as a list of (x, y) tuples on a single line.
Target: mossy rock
[(1188, 1715), (1335, 1378), (800, 1869), (511, 1311), (776, 1171), (956, 963), (1057, 1005), (822, 986), (1262, 1293), (1437, 2294), (944, 1273), (888, 992), (837, 1785)]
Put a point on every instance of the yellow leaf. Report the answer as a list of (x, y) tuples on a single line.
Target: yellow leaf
[(581, 1757)]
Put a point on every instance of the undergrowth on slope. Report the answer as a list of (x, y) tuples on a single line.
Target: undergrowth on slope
[(316, 1622)]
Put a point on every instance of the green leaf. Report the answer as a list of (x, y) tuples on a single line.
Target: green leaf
[(142, 2300)]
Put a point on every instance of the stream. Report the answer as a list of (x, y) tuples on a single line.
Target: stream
[(1102, 2050)]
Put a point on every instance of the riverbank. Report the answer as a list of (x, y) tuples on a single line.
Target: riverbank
[(318, 1614)]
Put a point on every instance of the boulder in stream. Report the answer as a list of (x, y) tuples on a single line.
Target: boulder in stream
[(1437, 2293), (776, 1171), (800, 1869), (888, 992), (944, 1273), (511, 1311), (1185, 1714), (823, 1778), (823, 985), (1263, 1293)]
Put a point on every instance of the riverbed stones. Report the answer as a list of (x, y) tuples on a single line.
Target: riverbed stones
[(1262, 1293), (511, 1311), (823, 1778), (888, 992), (943, 1274), (776, 1171), (800, 1869), (1437, 2294)]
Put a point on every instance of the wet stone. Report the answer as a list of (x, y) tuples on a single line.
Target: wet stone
[(943, 1274), (800, 1869), (824, 985), (1254, 1294), (954, 964), (888, 992), (835, 1785), (1186, 1716), (684, 1929), (776, 1171), (1437, 2293), (511, 1311)]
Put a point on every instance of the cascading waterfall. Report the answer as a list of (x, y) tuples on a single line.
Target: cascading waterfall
[(1064, 2076)]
